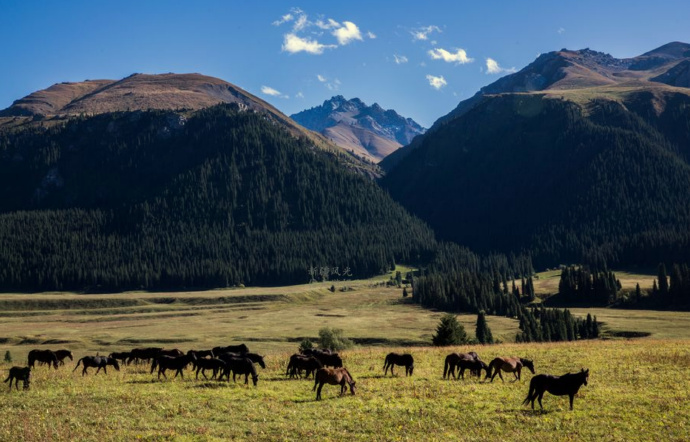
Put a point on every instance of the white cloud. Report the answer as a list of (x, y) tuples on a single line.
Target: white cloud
[(561, 30), (321, 78), (294, 44), (284, 19), (328, 24), (299, 95), (272, 92), (436, 82), (459, 57), (347, 33), (334, 85), (371, 35), (423, 32), (400, 59), (492, 67)]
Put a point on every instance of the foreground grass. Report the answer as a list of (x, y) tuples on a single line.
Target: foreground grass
[(637, 391)]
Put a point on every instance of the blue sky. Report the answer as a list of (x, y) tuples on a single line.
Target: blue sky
[(420, 58)]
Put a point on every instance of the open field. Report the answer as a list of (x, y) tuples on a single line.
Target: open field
[(636, 391), (546, 283)]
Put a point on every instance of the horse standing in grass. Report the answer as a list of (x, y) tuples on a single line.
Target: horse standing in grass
[(215, 364), (453, 359), (19, 374), (405, 360), (557, 385), (299, 362), (122, 356), (333, 376), (511, 365), (143, 354), (329, 359), (240, 366), (177, 363), (43, 356), (98, 362), (240, 348), (62, 354)]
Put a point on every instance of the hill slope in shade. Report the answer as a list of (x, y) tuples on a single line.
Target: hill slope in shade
[(157, 200), (597, 174), (176, 92), (369, 131), (580, 76)]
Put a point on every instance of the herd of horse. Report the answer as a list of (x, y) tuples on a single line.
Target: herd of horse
[(325, 366)]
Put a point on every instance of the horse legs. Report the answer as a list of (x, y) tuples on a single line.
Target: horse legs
[(385, 367), (246, 379), (572, 396), (343, 388), (541, 395), (318, 392), (83, 372), (105, 370)]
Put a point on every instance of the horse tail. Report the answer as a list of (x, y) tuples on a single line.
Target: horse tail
[(8, 378), (316, 380), (78, 362), (531, 393)]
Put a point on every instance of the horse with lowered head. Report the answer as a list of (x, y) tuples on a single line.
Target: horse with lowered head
[(62, 354), (333, 376), (510, 365), (406, 360), (239, 366), (47, 356), (177, 363), (557, 385), (300, 362), (240, 348), (453, 360), (97, 362), (19, 374)]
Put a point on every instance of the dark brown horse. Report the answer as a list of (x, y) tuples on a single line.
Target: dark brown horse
[(121, 356), (557, 385), (239, 366), (177, 363), (333, 376), (510, 365), (329, 359), (143, 354), (453, 359), (62, 354), (240, 348), (19, 374), (406, 360), (300, 362), (215, 364), (97, 362), (43, 356)]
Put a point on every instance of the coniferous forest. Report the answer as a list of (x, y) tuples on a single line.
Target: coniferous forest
[(153, 200)]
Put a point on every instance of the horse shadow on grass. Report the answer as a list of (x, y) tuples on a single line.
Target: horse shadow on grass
[(143, 381)]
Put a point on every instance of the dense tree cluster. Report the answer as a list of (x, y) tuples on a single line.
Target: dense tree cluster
[(552, 325), (151, 200), (670, 291), (527, 173), (581, 285)]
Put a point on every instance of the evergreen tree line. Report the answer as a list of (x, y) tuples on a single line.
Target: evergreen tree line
[(553, 325), (669, 291), (581, 285), (141, 201)]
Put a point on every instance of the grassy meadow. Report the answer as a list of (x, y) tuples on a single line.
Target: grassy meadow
[(636, 390)]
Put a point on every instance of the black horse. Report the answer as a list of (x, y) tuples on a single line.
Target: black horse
[(240, 366), (62, 354), (475, 367), (300, 362), (98, 362), (143, 354), (240, 348), (19, 374), (557, 385), (203, 364), (453, 359), (121, 356), (43, 356), (405, 360), (177, 363), (255, 357), (329, 359)]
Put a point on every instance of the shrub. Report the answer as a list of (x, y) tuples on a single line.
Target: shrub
[(334, 339), (8, 356), (449, 331), (306, 344)]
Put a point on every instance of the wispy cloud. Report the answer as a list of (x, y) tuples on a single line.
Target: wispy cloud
[(424, 32), (458, 57), (272, 92), (301, 39), (331, 85), (561, 30), (400, 59), (321, 78), (347, 33), (492, 67), (299, 95), (293, 44), (436, 82)]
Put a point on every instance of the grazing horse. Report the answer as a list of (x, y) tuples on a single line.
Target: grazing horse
[(62, 354), (333, 376), (405, 360), (557, 385), (511, 365), (43, 356), (19, 374), (177, 363), (475, 366), (143, 354), (241, 349), (255, 357), (215, 364), (453, 359), (299, 362), (329, 359), (97, 361), (240, 366), (122, 356), (202, 353)]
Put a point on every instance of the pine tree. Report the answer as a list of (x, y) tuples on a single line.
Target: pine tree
[(483, 332), (449, 331), (8, 357), (663, 281)]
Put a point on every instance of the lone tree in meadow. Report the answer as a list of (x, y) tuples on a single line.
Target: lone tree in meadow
[(449, 332), (483, 331)]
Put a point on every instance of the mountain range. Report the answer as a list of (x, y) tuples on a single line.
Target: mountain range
[(368, 131), (578, 157)]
